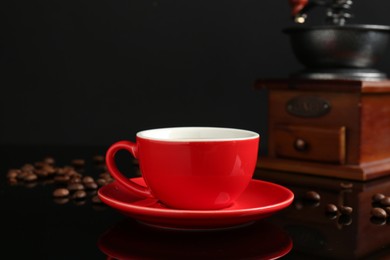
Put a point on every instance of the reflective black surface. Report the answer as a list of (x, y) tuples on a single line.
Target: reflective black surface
[(36, 226)]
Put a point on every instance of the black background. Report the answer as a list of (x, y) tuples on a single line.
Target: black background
[(93, 72)]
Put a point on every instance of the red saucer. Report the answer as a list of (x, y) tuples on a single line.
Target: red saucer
[(261, 199)]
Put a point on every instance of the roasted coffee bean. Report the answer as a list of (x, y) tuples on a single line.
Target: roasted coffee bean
[(39, 165), (30, 177), (88, 179), (101, 182), (331, 208), (74, 180), (60, 193), (79, 195), (73, 173), (49, 169), (13, 173), (75, 187), (64, 170), (41, 173), (27, 167), (91, 186), (378, 213), (378, 197), (387, 209), (96, 200), (22, 175), (346, 210), (61, 171), (62, 178), (105, 175), (385, 201), (49, 160), (312, 196), (98, 159), (78, 163)]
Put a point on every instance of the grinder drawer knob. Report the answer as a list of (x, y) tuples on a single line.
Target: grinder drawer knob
[(300, 145)]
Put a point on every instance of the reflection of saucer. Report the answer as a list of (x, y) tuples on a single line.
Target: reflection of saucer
[(130, 240), (259, 200)]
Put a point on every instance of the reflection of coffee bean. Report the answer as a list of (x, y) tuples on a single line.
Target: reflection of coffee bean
[(378, 221), (30, 177), (378, 197), (312, 196), (75, 187), (96, 200), (91, 186), (12, 181), (346, 210), (61, 192), (346, 185), (385, 202), (379, 213), (79, 195), (61, 201), (331, 208), (331, 216), (345, 220), (79, 202)]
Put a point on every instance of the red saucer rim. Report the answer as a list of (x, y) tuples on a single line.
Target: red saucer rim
[(204, 213)]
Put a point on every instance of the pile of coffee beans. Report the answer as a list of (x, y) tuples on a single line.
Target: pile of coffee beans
[(380, 211), (70, 181)]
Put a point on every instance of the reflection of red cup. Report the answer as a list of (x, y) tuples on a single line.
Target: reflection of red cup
[(130, 240), (297, 6), (191, 167)]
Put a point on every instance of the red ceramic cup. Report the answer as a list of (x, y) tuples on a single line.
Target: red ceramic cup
[(196, 168)]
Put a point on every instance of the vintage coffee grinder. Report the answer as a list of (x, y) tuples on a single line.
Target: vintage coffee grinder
[(332, 118)]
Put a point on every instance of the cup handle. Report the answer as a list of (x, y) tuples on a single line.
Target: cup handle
[(118, 176)]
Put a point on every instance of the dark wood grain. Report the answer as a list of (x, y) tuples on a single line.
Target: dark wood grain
[(354, 132)]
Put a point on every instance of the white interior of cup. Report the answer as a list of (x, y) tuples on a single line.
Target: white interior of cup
[(193, 134)]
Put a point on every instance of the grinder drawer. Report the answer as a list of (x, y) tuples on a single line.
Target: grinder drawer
[(324, 144)]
